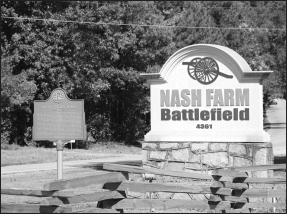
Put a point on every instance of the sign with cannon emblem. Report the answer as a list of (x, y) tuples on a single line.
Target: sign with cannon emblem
[(206, 93), (205, 70), (59, 118)]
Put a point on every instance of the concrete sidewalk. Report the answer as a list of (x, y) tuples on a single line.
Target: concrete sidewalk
[(275, 125), (131, 159)]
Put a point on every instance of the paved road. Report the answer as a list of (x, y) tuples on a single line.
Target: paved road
[(276, 117), (130, 159)]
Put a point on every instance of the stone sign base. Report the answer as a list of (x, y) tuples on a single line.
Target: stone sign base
[(205, 157)]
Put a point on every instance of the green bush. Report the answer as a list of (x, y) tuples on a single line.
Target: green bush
[(84, 144), (10, 146), (4, 138)]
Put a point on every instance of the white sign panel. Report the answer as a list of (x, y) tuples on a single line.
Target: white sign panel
[(207, 93)]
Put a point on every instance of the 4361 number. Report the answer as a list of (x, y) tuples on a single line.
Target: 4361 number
[(204, 126)]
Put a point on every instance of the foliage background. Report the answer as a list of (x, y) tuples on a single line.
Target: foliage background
[(101, 63)]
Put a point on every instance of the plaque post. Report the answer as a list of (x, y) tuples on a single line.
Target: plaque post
[(60, 148)]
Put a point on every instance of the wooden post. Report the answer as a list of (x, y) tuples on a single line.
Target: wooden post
[(106, 204)]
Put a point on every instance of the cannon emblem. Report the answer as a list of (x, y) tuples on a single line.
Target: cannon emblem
[(204, 70)]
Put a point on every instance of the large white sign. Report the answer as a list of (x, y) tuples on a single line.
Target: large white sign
[(207, 93)]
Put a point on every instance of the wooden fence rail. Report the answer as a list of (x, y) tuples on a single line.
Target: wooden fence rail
[(37, 193), (218, 176), (86, 181), (229, 191), (159, 187), (260, 193), (191, 189), (165, 204), (31, 208), (259, 167), (99, 196), (227, 198), (183, 204), (230, 185), (99, 210)]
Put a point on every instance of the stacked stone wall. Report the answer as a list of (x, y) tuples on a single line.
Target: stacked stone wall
[(205, 157)]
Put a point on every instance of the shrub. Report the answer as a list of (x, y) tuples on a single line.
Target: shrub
[(10, 147), (84, 144), (4, 138)]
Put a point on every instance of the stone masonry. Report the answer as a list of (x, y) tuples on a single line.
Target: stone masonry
[(205, 157), (201, 158)]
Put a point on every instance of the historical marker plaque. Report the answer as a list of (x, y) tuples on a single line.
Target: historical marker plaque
[(59, 118)]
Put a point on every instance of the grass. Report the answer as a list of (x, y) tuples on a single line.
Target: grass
[(16, 155), (116, 148)]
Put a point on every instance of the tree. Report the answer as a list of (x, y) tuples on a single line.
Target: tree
[(98, 52), (16, 95), (29, 67), (262, 49), (99, 63)]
